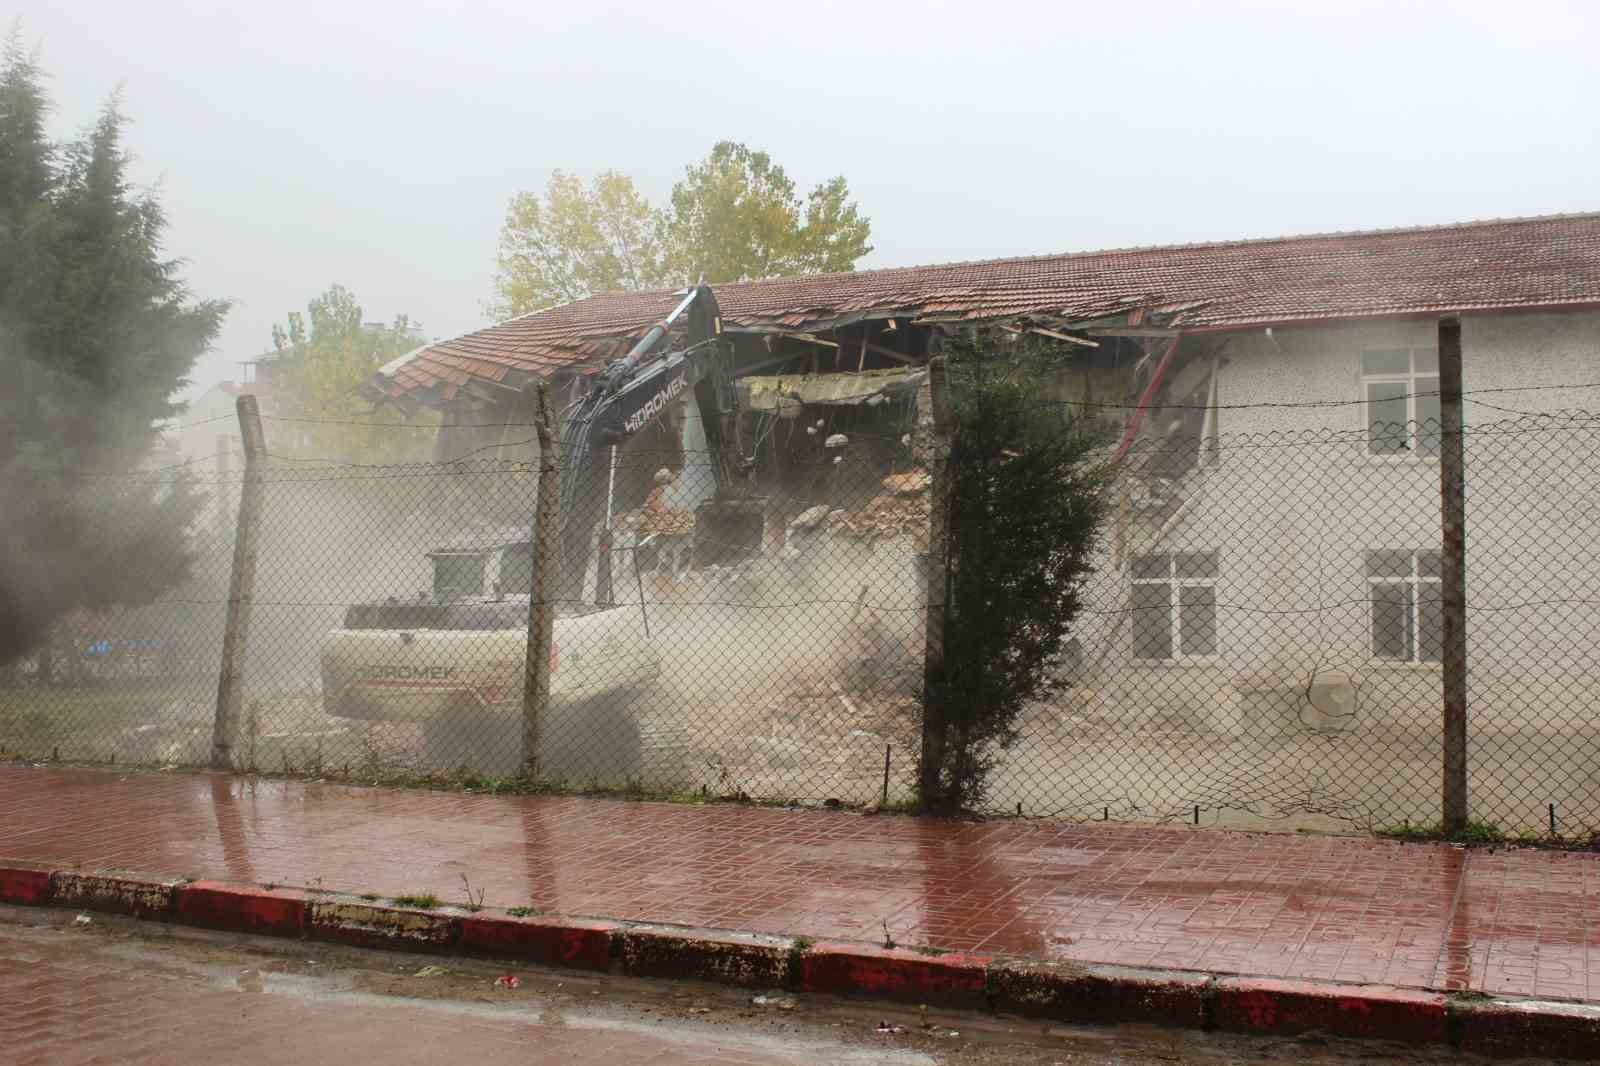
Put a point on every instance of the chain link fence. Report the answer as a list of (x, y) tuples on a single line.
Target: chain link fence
[(1260, 647)]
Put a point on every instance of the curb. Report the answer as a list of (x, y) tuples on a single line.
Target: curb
[(1060, 992)]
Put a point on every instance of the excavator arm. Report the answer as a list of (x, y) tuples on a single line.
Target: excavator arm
[(633, 393)]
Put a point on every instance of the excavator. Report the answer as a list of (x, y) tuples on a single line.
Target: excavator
[(632, 394), (450, 658)]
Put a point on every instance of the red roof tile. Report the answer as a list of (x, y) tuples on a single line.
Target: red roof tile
[(1499, 264)]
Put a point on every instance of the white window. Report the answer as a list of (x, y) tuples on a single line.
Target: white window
[(1175, 605), (1404, 589), (1401, 390)]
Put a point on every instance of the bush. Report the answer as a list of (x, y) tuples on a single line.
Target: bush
[(1026, 500)]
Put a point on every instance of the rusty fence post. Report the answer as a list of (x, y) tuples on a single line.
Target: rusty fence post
[(544, 587), (1453, 586), (241, 588), (934, 726)]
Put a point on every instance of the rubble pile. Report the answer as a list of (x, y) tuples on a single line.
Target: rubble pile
[(656, 515), (901, 508)]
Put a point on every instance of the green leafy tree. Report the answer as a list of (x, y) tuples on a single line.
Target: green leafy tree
[(97, 335), (577, 240), (736, 215), (321, 360), (1026, 500)]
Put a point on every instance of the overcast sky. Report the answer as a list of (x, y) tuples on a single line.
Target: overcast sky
[(375, 144)]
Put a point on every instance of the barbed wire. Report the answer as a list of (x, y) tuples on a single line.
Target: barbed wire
[(675, 602), (168, 427), (1397, 441)]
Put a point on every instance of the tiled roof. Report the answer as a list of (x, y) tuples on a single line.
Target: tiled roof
[(1498, 264)]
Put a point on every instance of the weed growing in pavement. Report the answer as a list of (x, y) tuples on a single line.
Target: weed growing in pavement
[(524, 912), (888, 941), (368, 896), (422, 900), (474, 904)]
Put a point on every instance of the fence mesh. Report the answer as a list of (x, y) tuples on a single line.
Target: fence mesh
[(1260, 645)]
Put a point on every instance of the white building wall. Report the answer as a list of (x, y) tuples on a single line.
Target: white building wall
[(1295, 501)]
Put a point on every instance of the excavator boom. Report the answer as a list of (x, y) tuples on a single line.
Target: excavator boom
[(633, 393)]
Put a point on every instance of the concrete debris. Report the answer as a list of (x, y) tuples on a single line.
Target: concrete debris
[(655, 515), (885, 516), (908, 484), (811, 517)]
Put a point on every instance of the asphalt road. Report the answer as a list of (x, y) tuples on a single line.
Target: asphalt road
[(113, 990)]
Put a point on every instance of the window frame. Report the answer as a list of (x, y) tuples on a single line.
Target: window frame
[(1175, 606), (1415, 583), (482, 573), (1409, 380)]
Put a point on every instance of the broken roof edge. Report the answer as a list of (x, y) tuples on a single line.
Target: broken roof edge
[(582, 337)]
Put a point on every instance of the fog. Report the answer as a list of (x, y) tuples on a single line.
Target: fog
[(376, 145)]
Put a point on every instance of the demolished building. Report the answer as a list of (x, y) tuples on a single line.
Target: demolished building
[(1162, 345)]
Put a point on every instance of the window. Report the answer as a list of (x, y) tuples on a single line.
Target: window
[(516, 569), (1401, 389), (457, 575), (1404, 589), (1175, 605)]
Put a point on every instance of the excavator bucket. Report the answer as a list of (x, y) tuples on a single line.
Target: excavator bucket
[(728, 531)]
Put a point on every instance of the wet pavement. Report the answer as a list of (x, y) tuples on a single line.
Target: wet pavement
[(124, 991), (1514, 922)]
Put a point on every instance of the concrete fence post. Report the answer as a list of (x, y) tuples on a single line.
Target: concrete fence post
[(934, 726), (241, 588), (1453, 586), (544, 587)]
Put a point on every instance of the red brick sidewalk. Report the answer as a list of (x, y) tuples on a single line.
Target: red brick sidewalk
[(1426, 916)]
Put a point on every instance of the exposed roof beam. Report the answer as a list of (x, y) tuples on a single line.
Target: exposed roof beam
[(896, 356), (811, 338), (783, 357), (1041, 331)]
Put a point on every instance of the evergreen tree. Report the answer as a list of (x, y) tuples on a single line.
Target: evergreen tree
[(1026, 500), (97, 336)]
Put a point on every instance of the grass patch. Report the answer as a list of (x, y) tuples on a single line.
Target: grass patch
[(55, 710), (423, 901), (1471, 833)]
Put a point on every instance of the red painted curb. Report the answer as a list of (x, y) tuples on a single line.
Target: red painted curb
[(1075, 992), (1533, 1028), (117, 895), (894, 973), (746, 959), (1060, 991), (374, 925), (28, 885), (243, 908), (573, 942), (1286, 1007)]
